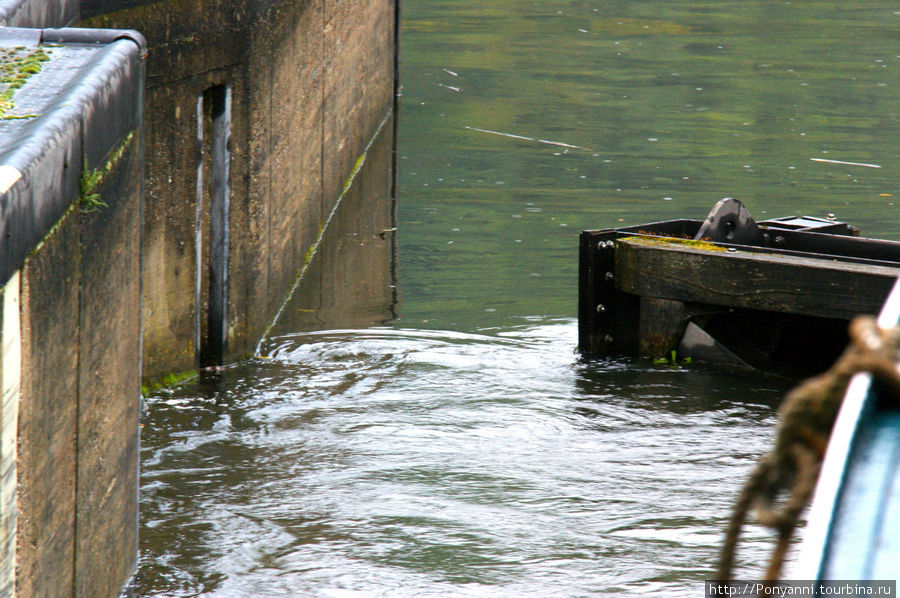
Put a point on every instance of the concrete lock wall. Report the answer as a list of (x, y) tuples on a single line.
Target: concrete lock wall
[(256, 114), (306, 83), (70, 212)]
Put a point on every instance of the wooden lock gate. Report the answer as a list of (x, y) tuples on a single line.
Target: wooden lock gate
[(773, 295)]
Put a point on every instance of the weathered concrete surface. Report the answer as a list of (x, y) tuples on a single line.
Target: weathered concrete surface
[(72, 216), (310, 83), (10, 395), (38, 13), (78, 419), (108, 401), (311, 80), (48, 418), (350, 281)]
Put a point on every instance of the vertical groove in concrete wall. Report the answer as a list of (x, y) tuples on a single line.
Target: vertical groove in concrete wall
[(219, 205), (198, 228), (310, 82), (212, 226), (10, 385)]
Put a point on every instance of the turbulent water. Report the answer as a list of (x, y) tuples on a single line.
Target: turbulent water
[(455, 444), (393, 462)]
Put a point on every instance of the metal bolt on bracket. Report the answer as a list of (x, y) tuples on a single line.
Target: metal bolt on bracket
[(601, 308)]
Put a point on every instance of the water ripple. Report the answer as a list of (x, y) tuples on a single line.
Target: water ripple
[(391, 462)]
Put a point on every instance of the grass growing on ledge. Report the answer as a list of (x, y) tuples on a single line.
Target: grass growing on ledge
[(90, 199), (90, 179)]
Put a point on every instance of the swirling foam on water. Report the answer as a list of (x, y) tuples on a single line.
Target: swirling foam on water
[(388, 462)]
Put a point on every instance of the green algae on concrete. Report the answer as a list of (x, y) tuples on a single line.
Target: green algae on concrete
[(17, 65), (169, 380)]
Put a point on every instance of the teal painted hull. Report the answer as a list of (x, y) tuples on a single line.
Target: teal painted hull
[(853, 531)]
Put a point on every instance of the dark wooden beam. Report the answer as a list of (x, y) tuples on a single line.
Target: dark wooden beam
[(706, 273)]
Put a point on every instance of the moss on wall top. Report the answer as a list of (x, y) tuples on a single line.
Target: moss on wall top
[(17, 65)]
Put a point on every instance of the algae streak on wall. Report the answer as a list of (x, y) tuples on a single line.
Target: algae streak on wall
[(256, 113)]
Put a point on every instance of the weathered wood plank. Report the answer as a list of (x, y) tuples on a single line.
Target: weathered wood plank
[(704, 273)]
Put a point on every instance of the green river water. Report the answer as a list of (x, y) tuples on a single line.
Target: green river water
[(449, 441)]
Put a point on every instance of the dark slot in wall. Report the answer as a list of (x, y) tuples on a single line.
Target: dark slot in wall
[(213, 195)]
